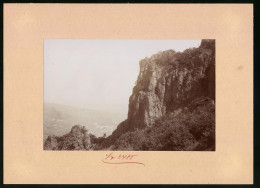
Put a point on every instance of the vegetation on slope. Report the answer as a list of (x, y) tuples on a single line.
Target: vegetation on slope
[(187, 129)]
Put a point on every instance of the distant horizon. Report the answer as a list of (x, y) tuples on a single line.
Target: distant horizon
[(79, 107), (98, 74)]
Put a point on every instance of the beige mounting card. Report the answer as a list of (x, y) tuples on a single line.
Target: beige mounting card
[(27, 25)]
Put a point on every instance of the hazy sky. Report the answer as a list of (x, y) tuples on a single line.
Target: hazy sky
[(95, 73)]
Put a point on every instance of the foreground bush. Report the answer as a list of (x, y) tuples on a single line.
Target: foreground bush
[(192, 128)]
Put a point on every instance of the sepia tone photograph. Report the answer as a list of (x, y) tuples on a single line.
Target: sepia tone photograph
[(83, 71), (134, 95)]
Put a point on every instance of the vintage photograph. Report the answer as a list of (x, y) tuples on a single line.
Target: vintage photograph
[(133, 95)]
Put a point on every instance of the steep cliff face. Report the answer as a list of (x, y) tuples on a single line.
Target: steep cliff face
[(171, 107), (170, 80)]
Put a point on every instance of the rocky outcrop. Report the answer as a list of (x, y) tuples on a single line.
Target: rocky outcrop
[(168, 81), (77, 139), (169, 84)]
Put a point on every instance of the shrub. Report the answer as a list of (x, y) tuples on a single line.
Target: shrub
[(192, 129)]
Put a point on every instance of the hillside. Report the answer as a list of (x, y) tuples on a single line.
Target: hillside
[(172, 106)]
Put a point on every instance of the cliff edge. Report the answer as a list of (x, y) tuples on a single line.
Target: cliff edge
[(168, 81)]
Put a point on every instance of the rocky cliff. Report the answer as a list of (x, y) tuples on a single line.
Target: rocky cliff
[(172, 107), (168, 81)]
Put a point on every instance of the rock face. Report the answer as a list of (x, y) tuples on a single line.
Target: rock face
[(170, 80), (169, 83), (77, 139)]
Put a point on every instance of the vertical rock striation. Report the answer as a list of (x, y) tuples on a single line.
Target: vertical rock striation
[(168, 81)]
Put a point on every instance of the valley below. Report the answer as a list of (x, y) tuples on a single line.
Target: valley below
[(172, 108), (59, 119)]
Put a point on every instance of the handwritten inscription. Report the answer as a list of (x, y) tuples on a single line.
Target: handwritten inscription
[(114, 158)]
